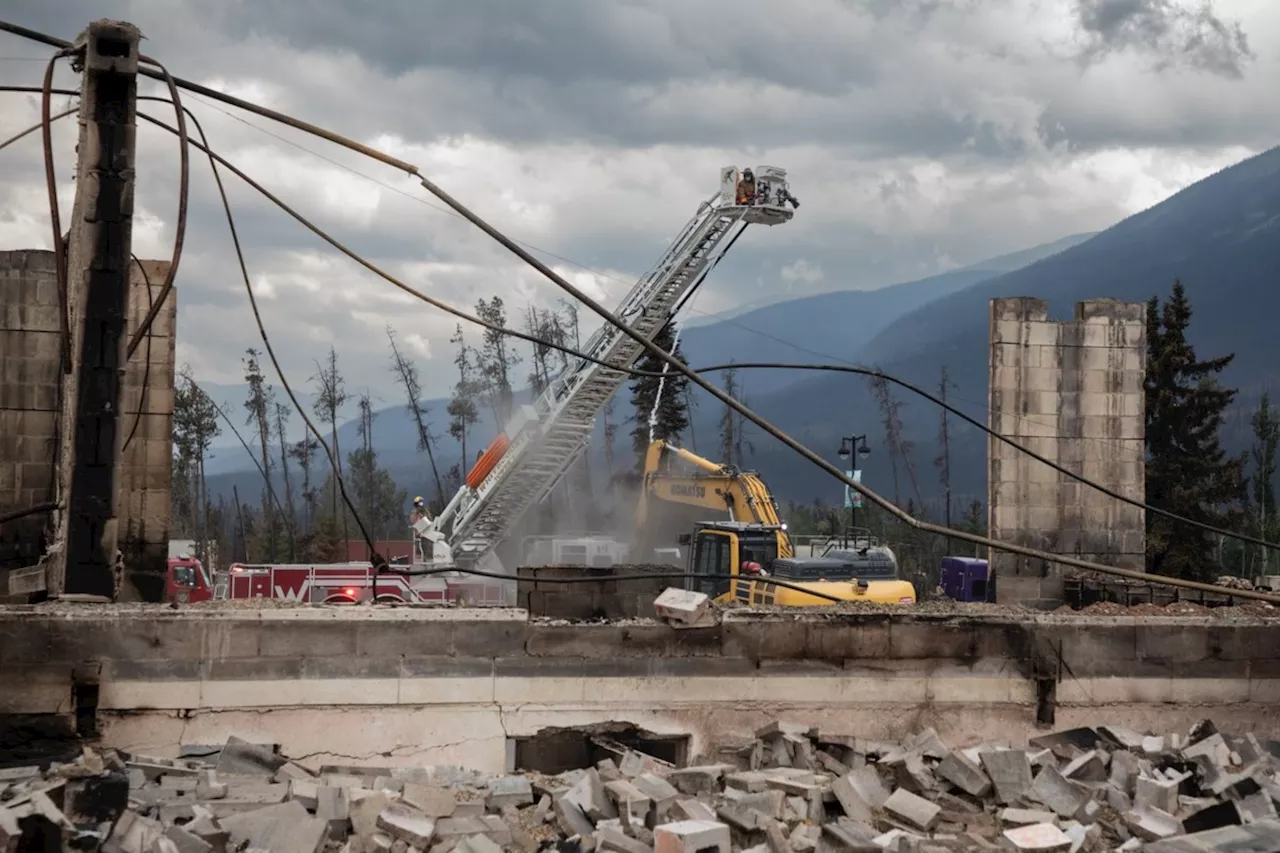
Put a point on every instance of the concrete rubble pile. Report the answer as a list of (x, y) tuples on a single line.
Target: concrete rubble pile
[(793, 790)]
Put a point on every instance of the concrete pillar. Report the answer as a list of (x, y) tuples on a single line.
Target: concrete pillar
[(98, 261), (1072, 392)]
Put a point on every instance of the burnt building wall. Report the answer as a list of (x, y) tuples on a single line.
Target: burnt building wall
[(30, 379), (1073, 393)]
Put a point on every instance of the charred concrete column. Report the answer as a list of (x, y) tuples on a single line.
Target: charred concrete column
[(1073, 393), (98, 259)]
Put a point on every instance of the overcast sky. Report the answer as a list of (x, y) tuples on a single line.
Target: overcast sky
[(919, 135)]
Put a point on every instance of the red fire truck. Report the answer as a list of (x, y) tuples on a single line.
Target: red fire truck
[(337, 583)]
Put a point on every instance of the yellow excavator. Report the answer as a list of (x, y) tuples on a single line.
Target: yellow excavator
[(728, 560)]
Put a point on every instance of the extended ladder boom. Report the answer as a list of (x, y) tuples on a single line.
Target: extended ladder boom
[(545, 437)]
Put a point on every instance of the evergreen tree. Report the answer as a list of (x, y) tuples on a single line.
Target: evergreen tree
[(1262, 491), (383, 506), (1187, 470), (673, 409)]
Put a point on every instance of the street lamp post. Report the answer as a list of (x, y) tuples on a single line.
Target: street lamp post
[(852, 447)]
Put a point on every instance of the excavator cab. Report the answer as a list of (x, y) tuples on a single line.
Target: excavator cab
[(719, 549), (734, 561)]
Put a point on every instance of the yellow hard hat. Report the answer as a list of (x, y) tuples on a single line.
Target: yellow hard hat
[(418, 501)]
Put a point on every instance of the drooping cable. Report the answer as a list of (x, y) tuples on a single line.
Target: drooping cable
[(55, 219), (297, 124), (35, 509), (634, 576), (37, 126), (146, 367), (376, 557), (925, 526), (880, 501), (252, 458), (180, 227), (613, 320)]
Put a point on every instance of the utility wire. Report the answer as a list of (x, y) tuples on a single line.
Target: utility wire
[(597, 308), (888, 506), (1111, 493), (146, 367), (180, 228), (37, 126), (512, 333), (266, 480), (55, 220), (609, 578), (376, 557), (754, 365), (14, 515), (299, 124)]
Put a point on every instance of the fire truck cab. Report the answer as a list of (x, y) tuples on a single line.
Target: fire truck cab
[(187, 581)]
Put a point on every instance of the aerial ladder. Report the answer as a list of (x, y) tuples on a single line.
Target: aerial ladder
[(545, 437)]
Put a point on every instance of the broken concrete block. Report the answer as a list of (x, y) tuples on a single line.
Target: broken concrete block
[(1025, 817), (966, 775), (1010, 774), (691, 836), (304, 791), (185, 841), (571, 819), (684, 608), (690, 809), (589, 795), (333, 806), (509, 791), (1089, 767), (10, 831), (407, 824), (911, 809), (286, 828), (476, 844), (627, 797), (1156, 794), (1062, 796), (1152, 824), (702, 779), (614, 840), (432, 800), (860, 792), (747, 780), (1039, 837), (364, 814), (913, 775), (659, 791)]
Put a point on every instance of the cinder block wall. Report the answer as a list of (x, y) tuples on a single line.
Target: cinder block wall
[(29, 376), (1072, 392), (147, 461), (30, 364)]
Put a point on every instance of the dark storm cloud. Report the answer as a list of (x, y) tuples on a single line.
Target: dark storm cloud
[(919, 134), (561, 42), (1175, 32)]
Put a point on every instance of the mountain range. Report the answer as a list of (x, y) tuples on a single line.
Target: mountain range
[(1218, 236)]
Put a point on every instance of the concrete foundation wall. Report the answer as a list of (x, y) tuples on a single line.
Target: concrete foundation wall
[(1073, 393), (415, 686), (601, 600), (30, 374)]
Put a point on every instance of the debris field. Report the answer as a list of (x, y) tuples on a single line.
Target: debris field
[(792, 790)]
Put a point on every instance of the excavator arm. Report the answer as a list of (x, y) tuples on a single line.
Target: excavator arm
[(722, 488)]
